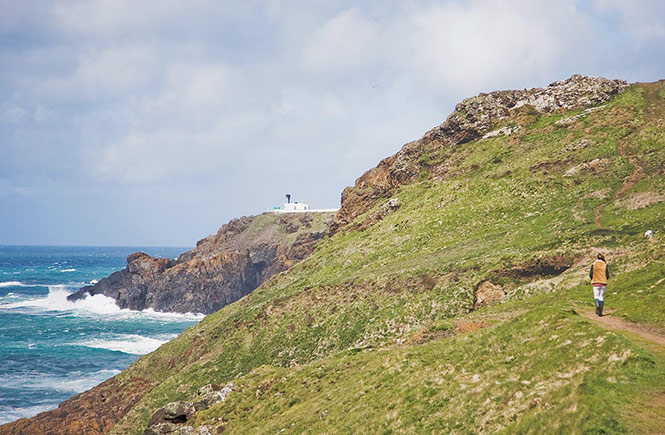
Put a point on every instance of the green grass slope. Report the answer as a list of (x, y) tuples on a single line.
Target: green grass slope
[(377, 329)]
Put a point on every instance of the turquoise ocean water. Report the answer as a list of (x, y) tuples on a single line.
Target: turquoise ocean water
[(51, 349)]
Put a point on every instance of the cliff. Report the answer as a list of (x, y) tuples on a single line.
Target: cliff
[(471, 119), (220, 270), (451, 295)]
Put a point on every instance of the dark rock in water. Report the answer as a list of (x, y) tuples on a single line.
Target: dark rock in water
[(221, 269)]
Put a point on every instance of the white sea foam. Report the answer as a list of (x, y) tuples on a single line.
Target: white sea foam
[(97, 305), (68, 270), (74, 382), (77, 383), (56, 300), (128, 343), (13, 284), (10, 413)]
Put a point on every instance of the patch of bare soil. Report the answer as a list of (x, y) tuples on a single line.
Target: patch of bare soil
[(635, 176), (537, 268), (642, 199)]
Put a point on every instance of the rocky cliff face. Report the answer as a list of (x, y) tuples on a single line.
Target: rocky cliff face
[(220, 270), (472, 118)]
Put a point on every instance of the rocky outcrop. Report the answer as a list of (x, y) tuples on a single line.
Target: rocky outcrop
[(170, 419), (220, 270), (472, 118), (95, 411), (487, 293)]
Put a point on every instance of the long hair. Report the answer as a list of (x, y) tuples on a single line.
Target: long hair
[(601, 257)]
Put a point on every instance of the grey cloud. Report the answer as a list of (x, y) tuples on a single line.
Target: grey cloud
[(197, 112)]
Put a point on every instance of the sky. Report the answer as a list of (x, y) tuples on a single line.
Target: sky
[(154, 122)]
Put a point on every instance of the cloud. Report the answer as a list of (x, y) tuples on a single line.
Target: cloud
[(642, 19), (348, 40), (458, 47), (172, 104), (111, 73), (481, 45)]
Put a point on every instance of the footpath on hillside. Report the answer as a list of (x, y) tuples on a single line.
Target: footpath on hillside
[(649, 416), (609, 321), (653, 114)]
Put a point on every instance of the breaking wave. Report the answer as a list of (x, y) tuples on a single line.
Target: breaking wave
[(97, 305), (11, 413), (74, 382), (129, 343), (13, 284)]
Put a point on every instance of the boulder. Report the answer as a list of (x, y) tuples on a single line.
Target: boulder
[(163, 429), (487, 293), (211, 394), (174, 412)]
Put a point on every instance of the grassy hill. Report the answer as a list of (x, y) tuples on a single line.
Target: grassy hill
[(462, 304)]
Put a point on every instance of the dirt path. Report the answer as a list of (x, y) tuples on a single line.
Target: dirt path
[(638, 171), (649, 416), (597, 213), (611, 322)]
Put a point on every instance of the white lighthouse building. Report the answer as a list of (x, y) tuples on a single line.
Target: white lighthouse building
[(299, 207)]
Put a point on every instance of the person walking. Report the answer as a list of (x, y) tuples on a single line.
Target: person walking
[(599, 274)]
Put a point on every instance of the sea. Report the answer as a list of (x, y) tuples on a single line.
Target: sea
[(50, 348)]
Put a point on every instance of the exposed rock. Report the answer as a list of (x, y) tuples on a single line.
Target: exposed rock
[(573, 119), (487, 293), (472, 118), (641, 200), (146, 266), (503, 131), (577, 145), (211, 394), (595, 165), (174, 429), (387, 208), (163, 429), (220, 270), (392, 204), (168, 419), (599, 194), (178, 412)]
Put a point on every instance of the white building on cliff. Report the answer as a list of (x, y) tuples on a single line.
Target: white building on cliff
[(299, 207)]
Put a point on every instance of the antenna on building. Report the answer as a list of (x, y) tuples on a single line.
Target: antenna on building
[(288, 198)]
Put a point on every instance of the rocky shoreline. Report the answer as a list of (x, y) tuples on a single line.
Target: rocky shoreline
[(221, 269)]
